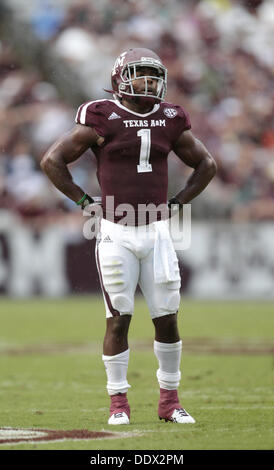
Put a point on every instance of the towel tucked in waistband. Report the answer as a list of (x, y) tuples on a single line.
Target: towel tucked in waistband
[(164, 255)]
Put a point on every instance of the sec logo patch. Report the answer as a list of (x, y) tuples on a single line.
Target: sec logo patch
[(170, 112)]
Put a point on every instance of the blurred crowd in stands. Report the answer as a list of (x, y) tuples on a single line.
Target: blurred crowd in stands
[(220, 60)]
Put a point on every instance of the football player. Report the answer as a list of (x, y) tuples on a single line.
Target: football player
[(131, 136)]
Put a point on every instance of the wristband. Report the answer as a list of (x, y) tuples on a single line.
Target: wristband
[(85, 201), (81, 200)]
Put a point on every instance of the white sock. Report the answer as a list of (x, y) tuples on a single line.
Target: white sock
[(116, 370), (169, 358)]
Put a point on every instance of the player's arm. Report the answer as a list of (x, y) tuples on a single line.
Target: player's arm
[(64, 151), (194, 154)]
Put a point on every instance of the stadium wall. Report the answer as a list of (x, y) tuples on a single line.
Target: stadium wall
[(224, 260)]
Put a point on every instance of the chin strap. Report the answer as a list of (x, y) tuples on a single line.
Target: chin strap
[(109, 91)]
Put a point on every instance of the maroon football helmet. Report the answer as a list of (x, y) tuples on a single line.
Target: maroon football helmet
[(125, 71)]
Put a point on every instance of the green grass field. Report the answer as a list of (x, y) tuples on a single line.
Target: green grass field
[(52, 375)]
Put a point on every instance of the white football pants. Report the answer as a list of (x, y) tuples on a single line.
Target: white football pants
[(127, 256)]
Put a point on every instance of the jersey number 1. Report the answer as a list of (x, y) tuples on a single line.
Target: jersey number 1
[(144, 165)]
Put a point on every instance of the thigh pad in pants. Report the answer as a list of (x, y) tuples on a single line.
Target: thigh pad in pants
[(118, 280)]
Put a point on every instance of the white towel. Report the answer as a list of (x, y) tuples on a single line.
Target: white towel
[(164, 255)]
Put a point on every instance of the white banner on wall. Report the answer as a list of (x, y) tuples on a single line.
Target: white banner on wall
[(224, 260), (231, 260), (31, 262)]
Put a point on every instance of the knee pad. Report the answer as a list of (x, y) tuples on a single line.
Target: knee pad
[(116, 283), (122, 303), (167, 300), (173, 301), (173, 298)]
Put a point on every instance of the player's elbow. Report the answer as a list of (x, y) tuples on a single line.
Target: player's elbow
[(44, 163), (48, 162), (211, 166)]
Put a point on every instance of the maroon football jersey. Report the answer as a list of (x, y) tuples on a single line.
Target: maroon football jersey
[(132, 162)]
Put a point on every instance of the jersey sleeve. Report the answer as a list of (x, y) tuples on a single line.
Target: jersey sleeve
[(177, 121), (182, 122), (185, 119), (90, 114)]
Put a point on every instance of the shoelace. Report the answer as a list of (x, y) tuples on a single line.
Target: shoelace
[(181, 411), (118, 415)]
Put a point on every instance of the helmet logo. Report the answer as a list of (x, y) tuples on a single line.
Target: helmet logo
[(119, 62)]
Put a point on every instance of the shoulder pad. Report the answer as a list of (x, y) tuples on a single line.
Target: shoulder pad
[(89, 110)]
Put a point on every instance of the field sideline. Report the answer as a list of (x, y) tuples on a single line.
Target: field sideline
[(52, 375)]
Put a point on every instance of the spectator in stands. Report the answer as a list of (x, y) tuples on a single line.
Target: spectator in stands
[(220, 60)]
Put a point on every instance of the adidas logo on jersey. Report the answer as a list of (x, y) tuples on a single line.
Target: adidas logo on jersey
[(113, 116), (107, 239)]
